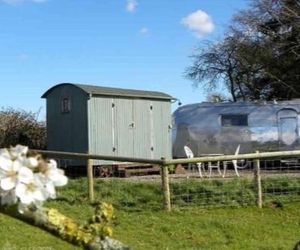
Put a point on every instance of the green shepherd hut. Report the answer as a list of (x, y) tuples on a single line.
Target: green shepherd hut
[(108, 121)]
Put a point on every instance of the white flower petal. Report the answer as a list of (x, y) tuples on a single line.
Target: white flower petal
[(2, 173), (8, 183), (5, 163), (40, 178), (24, 195), (50, 190), (27, 198), (52, 164), (17, 165), (25, 175), (32, 162), (20, 189), (52, 174), (61, 180), (39, 195), (18, 151)]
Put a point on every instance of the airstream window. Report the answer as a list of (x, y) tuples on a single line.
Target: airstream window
[(65, 105), (234, 120)]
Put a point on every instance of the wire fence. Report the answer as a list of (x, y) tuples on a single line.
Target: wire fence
[(243, 180), (279, 182)]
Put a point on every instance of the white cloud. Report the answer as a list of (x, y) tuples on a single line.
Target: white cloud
[(131, 5), (199, 22), (16, 2), (144, 31)]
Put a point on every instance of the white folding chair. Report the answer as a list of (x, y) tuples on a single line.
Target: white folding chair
[(235, 163), (215, 165), (189, 153)]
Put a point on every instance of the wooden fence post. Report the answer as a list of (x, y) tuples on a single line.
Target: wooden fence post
[(257, 178), (90, 179), (166, 187)]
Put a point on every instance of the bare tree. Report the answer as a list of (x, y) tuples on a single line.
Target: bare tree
[(214, 65)]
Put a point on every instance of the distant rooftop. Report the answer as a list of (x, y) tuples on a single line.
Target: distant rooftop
[(108, 91)]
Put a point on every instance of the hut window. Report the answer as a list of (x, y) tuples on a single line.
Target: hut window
[(234, 120), (65, 105)]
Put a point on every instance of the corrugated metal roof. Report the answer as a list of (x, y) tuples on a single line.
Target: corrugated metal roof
[(108, 91)]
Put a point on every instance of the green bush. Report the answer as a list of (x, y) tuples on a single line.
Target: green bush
[(21, 127)]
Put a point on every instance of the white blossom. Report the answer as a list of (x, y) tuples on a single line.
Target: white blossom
[(9, 173), (27, 181), (30, 162), (55, 174), (31, 190), (18, 151)]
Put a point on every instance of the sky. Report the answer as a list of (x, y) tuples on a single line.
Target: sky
[(133, 44)]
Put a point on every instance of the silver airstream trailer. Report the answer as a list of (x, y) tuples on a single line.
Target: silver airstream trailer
[(220, 127)]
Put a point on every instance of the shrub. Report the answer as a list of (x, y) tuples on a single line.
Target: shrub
[(21, 127)]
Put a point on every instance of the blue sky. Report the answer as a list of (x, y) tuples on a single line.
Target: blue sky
[(136, 44)]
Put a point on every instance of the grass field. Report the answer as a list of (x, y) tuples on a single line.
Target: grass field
[(142, 224)]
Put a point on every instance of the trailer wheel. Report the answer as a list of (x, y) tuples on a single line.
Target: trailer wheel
[(105, 171)]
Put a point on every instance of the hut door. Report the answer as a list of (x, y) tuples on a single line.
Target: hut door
[(288, 128), (142, 133), (124, 124)]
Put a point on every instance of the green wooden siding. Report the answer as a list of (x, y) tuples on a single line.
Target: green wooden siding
[(129, 127), (101, 128), (142, 130), (67, 131), (124, 127), (162, 129)]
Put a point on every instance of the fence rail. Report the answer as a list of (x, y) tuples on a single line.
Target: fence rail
[(257, 155), (171, 191), (83, 156)]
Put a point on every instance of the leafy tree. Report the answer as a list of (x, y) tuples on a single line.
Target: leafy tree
[(275, 26), (21, 127)]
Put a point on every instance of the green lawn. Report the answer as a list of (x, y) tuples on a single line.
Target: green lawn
[(142, 224), (238, 228)]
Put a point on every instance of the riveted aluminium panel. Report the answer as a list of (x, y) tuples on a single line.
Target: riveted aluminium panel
[(200, 127)]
